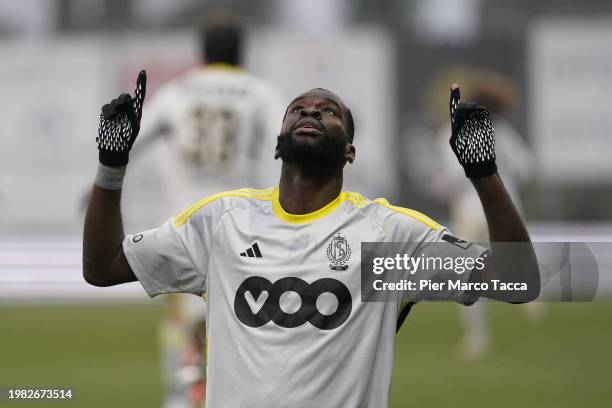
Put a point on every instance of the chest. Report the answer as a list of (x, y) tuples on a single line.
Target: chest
[(289, 274), (247, 245)]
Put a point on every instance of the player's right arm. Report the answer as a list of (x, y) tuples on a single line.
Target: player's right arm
[(104, 261)]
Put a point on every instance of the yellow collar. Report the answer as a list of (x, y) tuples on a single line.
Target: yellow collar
[(223, 66), (304, 218)]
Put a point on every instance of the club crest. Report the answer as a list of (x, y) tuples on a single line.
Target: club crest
[(338, 253)]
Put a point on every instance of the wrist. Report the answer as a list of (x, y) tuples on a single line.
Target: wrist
[(484, 183), (480, 170), (110, 177), (114, 158)]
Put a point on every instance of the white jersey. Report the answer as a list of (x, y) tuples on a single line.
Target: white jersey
[(218, 124), (286, 326)]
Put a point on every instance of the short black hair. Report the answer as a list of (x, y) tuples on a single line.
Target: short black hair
[(221, 41)]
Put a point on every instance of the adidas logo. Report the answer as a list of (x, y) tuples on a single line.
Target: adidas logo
[(252, 252)]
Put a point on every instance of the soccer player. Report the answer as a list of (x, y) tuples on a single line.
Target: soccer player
[(214, 125), (285, 324), (213, 122)]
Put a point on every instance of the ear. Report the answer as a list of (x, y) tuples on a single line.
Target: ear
[(350, 153)]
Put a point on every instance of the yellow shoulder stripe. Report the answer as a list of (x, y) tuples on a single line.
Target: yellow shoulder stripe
[(182, 218), (411, 213), (271, 194), (361, 199), (355, 198)]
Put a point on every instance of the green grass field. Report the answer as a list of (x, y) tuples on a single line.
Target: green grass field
[(107, 355)]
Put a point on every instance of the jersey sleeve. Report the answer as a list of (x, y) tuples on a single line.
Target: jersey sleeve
[(451, 262), (174, 257), (422, 238)]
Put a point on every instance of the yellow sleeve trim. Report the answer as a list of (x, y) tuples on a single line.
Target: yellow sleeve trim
[(183, 217), (411, 213)]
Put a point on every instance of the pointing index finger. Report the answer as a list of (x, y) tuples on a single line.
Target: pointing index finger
[(455, 96), (140, 92), (141, 84)]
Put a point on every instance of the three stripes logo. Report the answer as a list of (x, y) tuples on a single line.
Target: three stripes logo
[(252, 252)]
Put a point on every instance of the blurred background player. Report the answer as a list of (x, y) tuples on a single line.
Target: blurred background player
[(466, 215), (215, 125), (192, 373), (214, 121)]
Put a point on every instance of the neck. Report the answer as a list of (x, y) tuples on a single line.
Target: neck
[(299, 194)]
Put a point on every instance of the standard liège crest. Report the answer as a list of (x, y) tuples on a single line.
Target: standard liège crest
[(338, 253)]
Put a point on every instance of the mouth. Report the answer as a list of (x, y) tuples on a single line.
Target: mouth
[(307, 131), (308, 127)]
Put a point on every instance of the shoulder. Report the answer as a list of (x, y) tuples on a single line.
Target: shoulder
[(387, 210), (171, 90), (193, 80), (399, 223), (214, 206), (261, 88)]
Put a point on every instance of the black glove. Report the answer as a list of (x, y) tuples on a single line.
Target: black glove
[(120, 124), (472, 137)]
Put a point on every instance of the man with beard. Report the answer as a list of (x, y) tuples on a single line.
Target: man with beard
[(285, 324)]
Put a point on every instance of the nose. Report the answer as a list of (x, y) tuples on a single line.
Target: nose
[(312, 112)]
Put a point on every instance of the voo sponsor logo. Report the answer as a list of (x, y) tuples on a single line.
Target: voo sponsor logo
[(257, 302)]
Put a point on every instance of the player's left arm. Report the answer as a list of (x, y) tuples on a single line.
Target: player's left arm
[(513, 259)]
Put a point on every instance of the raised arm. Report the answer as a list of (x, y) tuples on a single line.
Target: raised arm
[(513, 259), (504, 222), (104, 263)]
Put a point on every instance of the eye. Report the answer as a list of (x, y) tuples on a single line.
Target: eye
[(296, 109), (329, 110)]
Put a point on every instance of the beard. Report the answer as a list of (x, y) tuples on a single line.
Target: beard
[(317, 161)]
